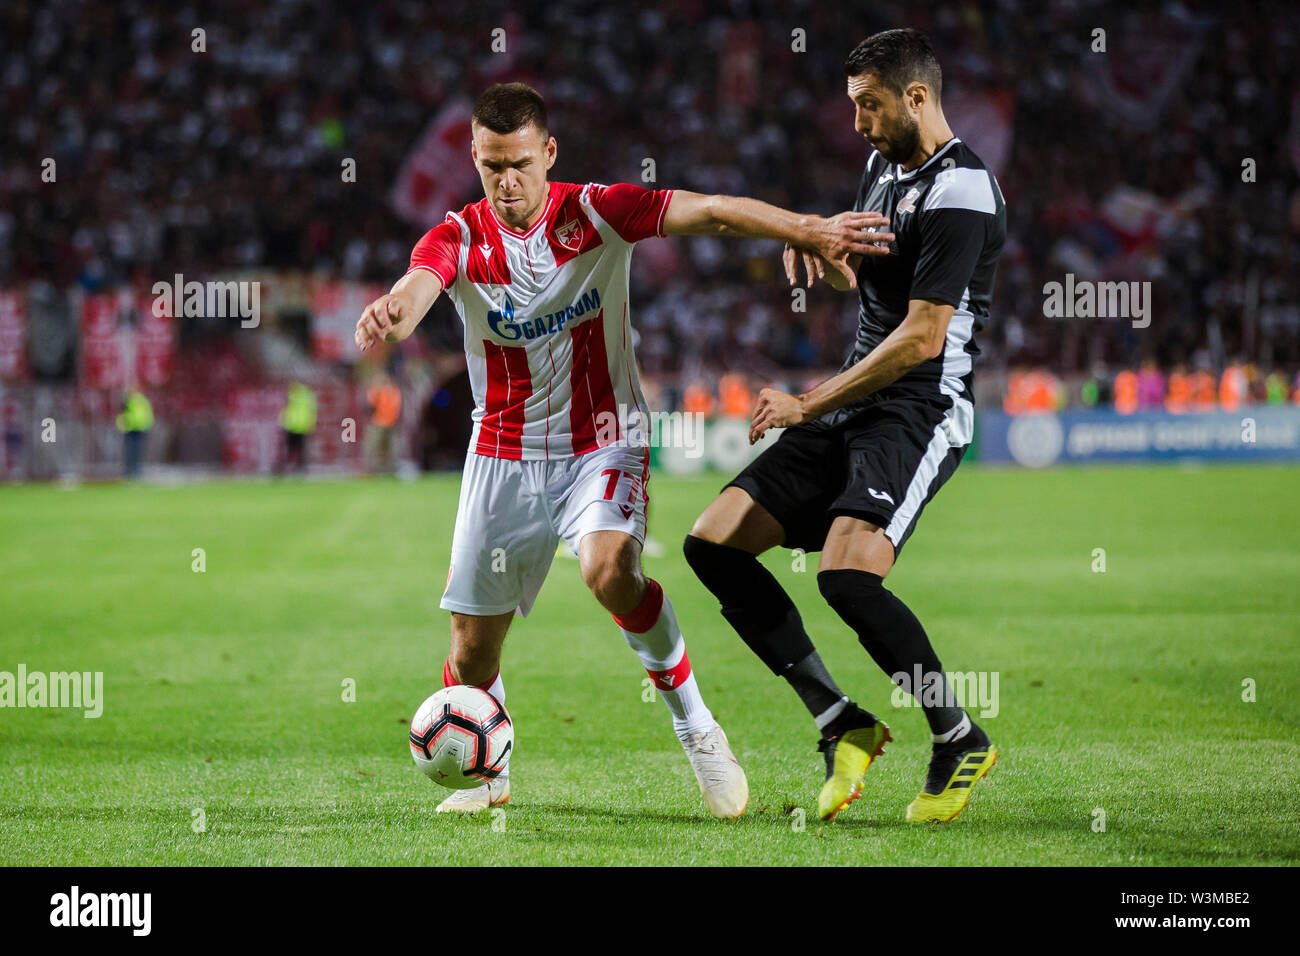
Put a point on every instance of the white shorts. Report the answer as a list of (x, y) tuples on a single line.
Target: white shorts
[(513, 513)]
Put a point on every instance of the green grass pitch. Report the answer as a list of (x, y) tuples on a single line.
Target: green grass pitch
[(1120, 691)]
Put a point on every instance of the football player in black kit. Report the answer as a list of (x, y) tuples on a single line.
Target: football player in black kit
[(863, 452)]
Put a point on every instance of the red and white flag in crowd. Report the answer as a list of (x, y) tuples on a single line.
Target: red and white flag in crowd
[(155, 341), (251, 428), (123, 341), (438, 174), (335, 307), (104, 340), (1141, 68)]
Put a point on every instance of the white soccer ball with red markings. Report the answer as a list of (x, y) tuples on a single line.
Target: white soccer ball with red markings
[(461, 737)]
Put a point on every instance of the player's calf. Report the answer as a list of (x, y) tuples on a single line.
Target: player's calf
[(475, 654), (895, 639), (756, 605)]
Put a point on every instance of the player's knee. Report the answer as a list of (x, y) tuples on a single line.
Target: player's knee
[(846, 591), (710, 560), (705, 529), (852, 595), (737, 521), (616, 586)]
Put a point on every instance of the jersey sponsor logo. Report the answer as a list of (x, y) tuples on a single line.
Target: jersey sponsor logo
[(503, 323)]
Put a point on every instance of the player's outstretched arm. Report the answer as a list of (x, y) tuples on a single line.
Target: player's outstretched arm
[(918, 338), (394, 316), (834, 239)]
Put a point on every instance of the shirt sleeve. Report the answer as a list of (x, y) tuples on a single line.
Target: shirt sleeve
[(951, 243), (438, 251), (954, 222), (635, 213)]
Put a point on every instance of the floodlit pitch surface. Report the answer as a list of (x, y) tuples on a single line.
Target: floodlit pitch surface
[(226, 737)]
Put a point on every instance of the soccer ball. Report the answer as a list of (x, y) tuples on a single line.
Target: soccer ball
[(461, 737)]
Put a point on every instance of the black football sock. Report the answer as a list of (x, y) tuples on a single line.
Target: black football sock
[(818, 690), (850, 718), (755, 604), (965, 736), (898, 644)]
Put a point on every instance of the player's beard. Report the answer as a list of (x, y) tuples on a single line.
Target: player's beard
[(518, 221), (904, 143)]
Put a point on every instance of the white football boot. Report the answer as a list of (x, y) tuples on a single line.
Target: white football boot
[(722, 781), (491, 794)]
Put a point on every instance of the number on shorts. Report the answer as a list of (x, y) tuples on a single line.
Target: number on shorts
[(611, 483)]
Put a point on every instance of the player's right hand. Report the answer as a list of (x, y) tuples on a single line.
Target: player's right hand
[(389, 318)]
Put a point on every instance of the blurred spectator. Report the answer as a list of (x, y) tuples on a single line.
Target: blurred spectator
[(298, 421), (385, 400), (134, 422), (1150, 386)]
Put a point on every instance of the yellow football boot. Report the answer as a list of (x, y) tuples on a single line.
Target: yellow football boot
[(953, 773), (847, 758)]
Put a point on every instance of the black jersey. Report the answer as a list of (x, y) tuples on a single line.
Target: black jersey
[(949, 223)]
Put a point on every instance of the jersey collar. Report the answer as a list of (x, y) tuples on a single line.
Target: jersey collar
[(899, 175), (546, 214)]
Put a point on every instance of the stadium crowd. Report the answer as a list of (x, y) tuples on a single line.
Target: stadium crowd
[(200, 144)]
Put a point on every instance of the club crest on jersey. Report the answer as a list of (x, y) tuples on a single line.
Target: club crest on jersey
[(908, 205), (570, 235)]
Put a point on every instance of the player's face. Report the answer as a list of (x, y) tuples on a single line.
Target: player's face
[(513, 168), (888, 121)]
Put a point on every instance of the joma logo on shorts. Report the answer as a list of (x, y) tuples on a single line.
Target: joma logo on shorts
[(502, 321)]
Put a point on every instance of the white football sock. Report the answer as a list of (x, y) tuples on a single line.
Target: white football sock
[(957, 733), (497, 689), (651, 630)]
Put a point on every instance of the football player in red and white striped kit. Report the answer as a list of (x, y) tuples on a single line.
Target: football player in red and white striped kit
[(538, 272)]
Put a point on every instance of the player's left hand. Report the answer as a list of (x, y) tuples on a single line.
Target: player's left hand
[(775, 410), (849, 234), (813, 264)]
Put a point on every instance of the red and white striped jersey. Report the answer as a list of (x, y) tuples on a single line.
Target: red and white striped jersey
[(547, 333)]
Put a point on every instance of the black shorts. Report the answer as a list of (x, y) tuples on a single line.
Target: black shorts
[(883, 465)]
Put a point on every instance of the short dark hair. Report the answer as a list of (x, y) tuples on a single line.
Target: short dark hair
[(506, 107), (897, 57)]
